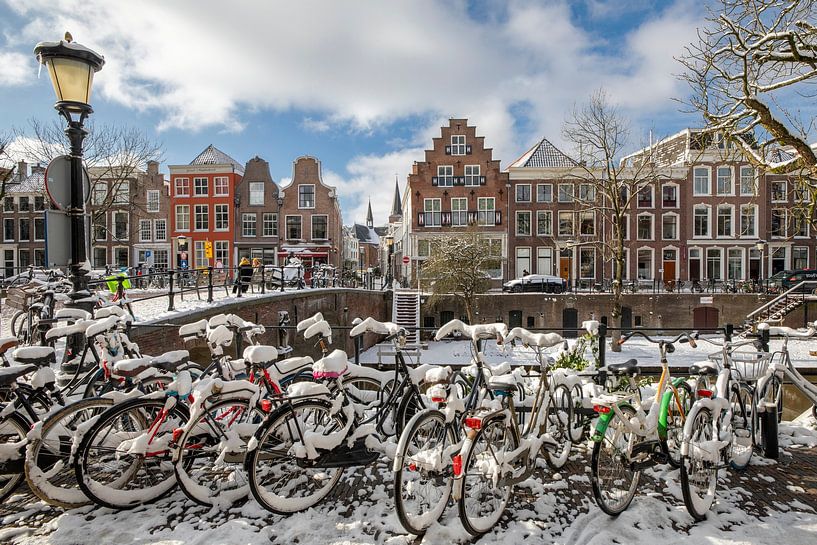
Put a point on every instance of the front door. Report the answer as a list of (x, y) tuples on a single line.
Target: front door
[(694, 269), (564, 268), (669, 271)]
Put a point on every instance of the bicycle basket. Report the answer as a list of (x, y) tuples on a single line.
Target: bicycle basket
[(748, 366)]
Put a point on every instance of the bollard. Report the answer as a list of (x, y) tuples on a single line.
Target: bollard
[(602, 344), (170, 294), (209, 284), (729, 331), (282, 278), (263, 268), (768, 428)]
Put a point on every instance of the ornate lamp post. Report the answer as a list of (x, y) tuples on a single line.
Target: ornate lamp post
[(71, 67)]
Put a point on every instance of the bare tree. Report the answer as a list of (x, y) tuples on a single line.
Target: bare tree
[(752, 74), (6, 173), (458, 265), (601, 134), (114, 154)]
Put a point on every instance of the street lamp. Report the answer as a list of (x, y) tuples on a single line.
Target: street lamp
[(71, 67), (280, 201), (760, 245)]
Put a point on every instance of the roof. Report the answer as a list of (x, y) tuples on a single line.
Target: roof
[(214, 156), (365, 235), (397, 204), (543, 155), (35, 183)]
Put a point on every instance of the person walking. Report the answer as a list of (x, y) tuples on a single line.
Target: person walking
[(244, 276)]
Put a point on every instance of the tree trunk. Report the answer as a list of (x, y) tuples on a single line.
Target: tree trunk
[(618, 273)]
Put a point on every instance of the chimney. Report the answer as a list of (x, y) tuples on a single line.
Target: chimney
[(22, 171), (153, 168)]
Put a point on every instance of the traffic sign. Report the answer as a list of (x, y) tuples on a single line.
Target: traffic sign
[(208, 249), (406, 260), (58, 182), (58, 238)]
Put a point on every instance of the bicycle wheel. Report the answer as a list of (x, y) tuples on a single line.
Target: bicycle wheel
[(744, 423), (410, 404), (483, 497), (210, 454), (49, 458), (423, 477), (577, 428), (699, 473), (15, 323), (680, 403), (772, 392), (279, 481), (558, 417), (13, 430), (614, 482), (124, 459), (20, 328)]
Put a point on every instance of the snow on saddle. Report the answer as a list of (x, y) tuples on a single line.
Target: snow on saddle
[(330, 366)]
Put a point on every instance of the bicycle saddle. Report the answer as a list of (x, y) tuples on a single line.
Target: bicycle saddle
[(79, 326), (10, 374), (7, 343), (41, 356), (370, 324), (629, 368), (503, 382), (260, 354), (131, 367), (170, 361), (332, 365), (704, 368), (280, 369)]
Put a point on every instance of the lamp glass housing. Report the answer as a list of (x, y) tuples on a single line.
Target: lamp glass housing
[(72, 80)]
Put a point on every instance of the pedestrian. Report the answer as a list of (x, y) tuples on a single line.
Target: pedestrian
[(525, 272), (244, 276), (219, 265)]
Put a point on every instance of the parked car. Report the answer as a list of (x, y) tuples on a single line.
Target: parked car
[(792, 278), (536, 282)]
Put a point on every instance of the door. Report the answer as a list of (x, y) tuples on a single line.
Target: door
[(694, 269), (705, 318), (564, 267), (515, 318), (626, 318), (668, 265), (570, 320)]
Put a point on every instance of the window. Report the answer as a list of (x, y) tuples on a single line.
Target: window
[(523, 193), (801, 223), (221, 252), (200, 187), (202, 213), (544, 223), (522, 261), (432, 212), (222, 217), (587, 263), (799, 257), (623, 195), (100, 228), (713, 263), (669, 227), (200, 255), (472, 176), (24, 206), (779, 220), (144, 231), (248, 225), (734, 264), (565, 223), (120, 225), (182, 217), (293, 224), (39, 203), (748, 220), (153, 200), (98, 193), (724, 181), (644, 227), (644, 270), (8, 204), (724, 221), (39, 258), (700, 182), (624, 226), (39, 228), (544, 193), (800, 193), (523, 224), (23, 259), (319, 227), (748, 183), (669, 196), (8, 230), (121, 193), (486, 212), (182, 187), (544, 260), (306, 196), (565, 192), (458, 144), (257, 194), (587, 223), (445, 176), (587, 193), (459, 211), (701, 221), (779, 191), (644, 197), (221, 186), (423, 248), (100, 257), (160, 228), (270, 224)]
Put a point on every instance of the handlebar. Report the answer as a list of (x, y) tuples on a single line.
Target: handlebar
[(683, 337)]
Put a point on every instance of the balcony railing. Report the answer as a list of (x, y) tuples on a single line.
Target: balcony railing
[(459, 218)]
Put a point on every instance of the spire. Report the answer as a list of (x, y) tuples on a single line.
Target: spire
[(396, 205), (369, 218)]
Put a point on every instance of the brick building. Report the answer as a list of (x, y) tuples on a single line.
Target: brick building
[(312, 221), (458, 185), (201, 198), (257, 214), (368, 243), (24, 203)]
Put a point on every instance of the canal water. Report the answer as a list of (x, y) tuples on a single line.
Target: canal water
[(794, 402)]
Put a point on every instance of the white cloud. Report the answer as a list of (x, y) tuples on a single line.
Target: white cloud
[(16, 68)]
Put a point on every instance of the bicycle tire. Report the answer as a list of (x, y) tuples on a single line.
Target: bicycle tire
[(699, 477), (744, 424), (207, 473), (13, 429), (132, 478), (494, 436), (618, 437), (20, 328), (558, 416), (49, 458), (578, 424), (680, 403), (411, 478), (772, 391), (409, 405), (269, 457)]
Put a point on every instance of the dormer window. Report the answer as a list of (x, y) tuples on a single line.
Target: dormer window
[(458, 144)]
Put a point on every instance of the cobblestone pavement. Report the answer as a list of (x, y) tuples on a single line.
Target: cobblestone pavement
[(762, 488)]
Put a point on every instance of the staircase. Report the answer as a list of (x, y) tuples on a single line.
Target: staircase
[(406, 311), (778, 308)]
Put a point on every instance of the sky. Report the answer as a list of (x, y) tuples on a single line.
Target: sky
[(363, 85)]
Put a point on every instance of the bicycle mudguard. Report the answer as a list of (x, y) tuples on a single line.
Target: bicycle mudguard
[(602, 423), (665, 401)]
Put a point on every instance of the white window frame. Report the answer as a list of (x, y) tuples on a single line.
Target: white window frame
[(121, 192), (651, 190), (569, 195), (731, 187), (572, 223), (153, 199), (142, 225), (269, 218), (754, 209), (731, 215), (98, 193), (458, 144), (516, 193), (185, 185), (677, 226), (182, 210), (314, 198), (709, 229), (543, 255), (199, 254), (742, 270), (549, 223), (472, 175), (249, 219), (160, 229), (301, 220), (197, 186), (522, 214), (705, 271), (459, 215), (432, 208), (127, 225), (223, 208), (583, 250), (587, 193), (221, 252), (221, 186), (445, 175), (785, 223), (254, 193), (312, 226), (196, 209), (550, 186), (696, 191), (677, 196), (652, 226), (486, 215), (785, 198), (753, 181), (651, 250), (520, 259), (581, 216)]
